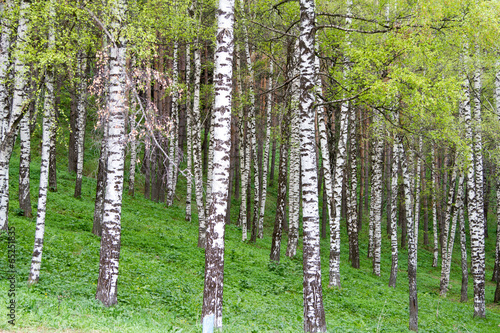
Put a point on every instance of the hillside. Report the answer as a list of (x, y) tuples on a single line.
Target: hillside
[(160, 285)]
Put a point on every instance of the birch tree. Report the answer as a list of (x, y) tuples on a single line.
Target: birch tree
[(476, 224), (115, 145), (18, 109), (81, 120), (314, 313), (48, 122), (214, 251)]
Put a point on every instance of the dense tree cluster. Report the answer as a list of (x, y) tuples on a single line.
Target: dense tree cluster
[(385, 109)]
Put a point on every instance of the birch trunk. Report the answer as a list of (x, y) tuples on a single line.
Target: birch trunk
[(282, 187), (394, 207), (294, 178), (115, 143), (352, 213), (463, 252), (19, 107), (476, 224), (266, 151), (214, 253), (412, 255), (133, 149), (244, 157), (253, 139), (314, 313), (81, 120), (478, 149), (435, 187), (24, 164), (48, 122), (174, 131), (446, 266), (376, 202), (198, 171), (189, 154)]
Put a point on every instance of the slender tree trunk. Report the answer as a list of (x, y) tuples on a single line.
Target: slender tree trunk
[(376, 203), (496, 276), (19, 107), (24, 165), (197, 162), (53, 154), (282, 187), (80, 122), (463, 252), (314, 313), (214, 252), (412, 250), (476, 224), (435, 187), (445, 278), (396, 154), (266, 151), (294, 178), (478, 149), (174, 132), (115, 144), (189, 153), (48, 122), (353, 194)]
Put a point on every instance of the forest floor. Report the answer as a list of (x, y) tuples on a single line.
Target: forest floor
[(160, 286)]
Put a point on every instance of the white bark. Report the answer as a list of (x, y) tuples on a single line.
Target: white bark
[(214, 253), (376, 201), (294, 178), (266, 150), (396, 154), (435, 187), (476, 224), (16, 113), (196, 133), (314, 314), (116, 138), (133, 149), (48, 122), (412, 255), (173, 135), (189, 154), (243, 156), (80, 121)]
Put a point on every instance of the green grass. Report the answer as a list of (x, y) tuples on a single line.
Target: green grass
[(160, 285)]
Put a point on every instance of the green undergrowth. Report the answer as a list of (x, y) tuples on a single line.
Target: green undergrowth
[(160, 285)]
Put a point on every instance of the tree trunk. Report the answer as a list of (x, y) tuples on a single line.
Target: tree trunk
[(13, 117), (376, 202), (282, 187), (412, 250), (294, 178), (197, 162), (24, 164), (81, 120), (353, 194), (48, 122), (189, 149), (265, 162), (314, 313), (115, 143), (174, 131), (476, 224), (396, 154), (214, 252), (435, 186)]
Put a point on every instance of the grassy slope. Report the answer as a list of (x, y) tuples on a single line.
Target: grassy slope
[(161, 276)]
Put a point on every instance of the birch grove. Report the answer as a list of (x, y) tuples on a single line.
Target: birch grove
[(382, 116)]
